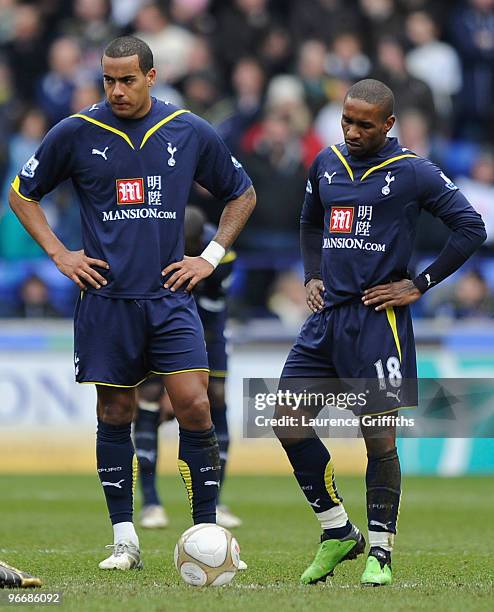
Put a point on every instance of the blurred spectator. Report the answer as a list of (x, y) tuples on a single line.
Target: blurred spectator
[(287, 300), (285, 96), (248, 80), (469, 297), (192, 15), (92, 30), (171, 44), (311, 68), (277, 170), (203, 96), (55, 90), (472, 34), (409, 91), (380, 18), (276, 51), (7, 110), (84, 95), (15, 242), (123, 12), (25, 52), (7, 20), (323, 19), (479, 189), (415, 133), (242, 27), (35, 300), (433, 61), (328, 121), (346, 59)]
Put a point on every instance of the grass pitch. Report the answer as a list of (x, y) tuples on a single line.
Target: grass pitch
[(56, 527)]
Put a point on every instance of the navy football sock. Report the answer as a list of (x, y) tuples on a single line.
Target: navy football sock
[(117, 469), (146, 443), (383, 481), (313, 469), (218, 416), (199, 465)]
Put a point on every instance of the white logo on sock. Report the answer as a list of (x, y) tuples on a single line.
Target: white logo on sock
[(210, 483), (118, 484), (378, 524), (314, 504)]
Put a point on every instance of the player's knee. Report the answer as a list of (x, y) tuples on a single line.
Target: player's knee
[(194, 414), (381, 449), (115, 406)]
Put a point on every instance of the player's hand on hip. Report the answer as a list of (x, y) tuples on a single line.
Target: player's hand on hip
[(314, 291), (399, 293), (77, 266), (190, 270)]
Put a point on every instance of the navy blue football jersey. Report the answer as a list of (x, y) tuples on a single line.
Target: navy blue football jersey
[(133, 179), (369, 209)]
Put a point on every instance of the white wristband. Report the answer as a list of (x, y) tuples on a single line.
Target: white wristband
[(213, 253)]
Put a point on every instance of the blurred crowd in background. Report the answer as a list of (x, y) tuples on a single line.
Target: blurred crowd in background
[(271, 76)]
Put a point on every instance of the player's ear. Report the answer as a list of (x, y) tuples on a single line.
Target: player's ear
[(388, 124), (151, 77)]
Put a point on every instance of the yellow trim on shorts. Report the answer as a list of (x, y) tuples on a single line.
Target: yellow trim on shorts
[(390, 313), (179, 371), (329, 482), (157, 126), (105, 384), (184, 470), (15, 184), (218, 373)]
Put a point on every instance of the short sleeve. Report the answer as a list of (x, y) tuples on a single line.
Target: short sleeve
[(312, 209), (49, 166), (217, 170), (441, 197)]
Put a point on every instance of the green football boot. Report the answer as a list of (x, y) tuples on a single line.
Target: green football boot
[(332, 552), (377, 569)]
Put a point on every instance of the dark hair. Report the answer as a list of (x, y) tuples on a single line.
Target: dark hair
[(373, 92), (125, 46)]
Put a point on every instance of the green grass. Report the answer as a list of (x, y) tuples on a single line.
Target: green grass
[(56, 527)]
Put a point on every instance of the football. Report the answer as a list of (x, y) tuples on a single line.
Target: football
[(207, 555)]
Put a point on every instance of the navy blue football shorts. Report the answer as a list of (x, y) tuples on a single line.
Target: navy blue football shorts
[(372, 352), (214, 334), (121, 341)]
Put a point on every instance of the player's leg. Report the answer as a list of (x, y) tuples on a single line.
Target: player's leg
[(216, 393), (383, 484), (388, 349), (13, 578), (116, 363), (117, 470), (177, 350), (146, 426), (198, 454), (309, 457)]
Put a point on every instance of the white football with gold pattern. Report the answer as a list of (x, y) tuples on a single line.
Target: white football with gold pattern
[(207, 555)]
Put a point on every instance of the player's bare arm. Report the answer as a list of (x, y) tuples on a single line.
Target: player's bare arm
[(314, 291), (232, 221), (399, 293), (76, 265)]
